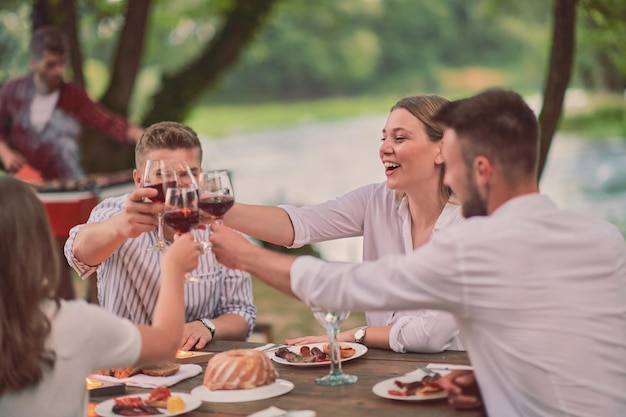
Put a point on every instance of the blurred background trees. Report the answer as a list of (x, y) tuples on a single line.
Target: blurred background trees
[(158, 60)]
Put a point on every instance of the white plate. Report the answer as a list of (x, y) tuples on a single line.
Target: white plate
[(105, 408), (360, 350), (279, 387), (382, 388)]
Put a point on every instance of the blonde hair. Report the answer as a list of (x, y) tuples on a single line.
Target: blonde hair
[(424, 108)]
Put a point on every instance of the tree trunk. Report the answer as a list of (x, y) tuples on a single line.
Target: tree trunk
[(98, 153), (62, 14), (180, 91), (559, 73), (127, 57)]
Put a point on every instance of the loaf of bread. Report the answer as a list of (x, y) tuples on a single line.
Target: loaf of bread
[(239, 369)]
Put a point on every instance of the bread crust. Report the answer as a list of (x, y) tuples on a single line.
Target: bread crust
[(161, 369), (239, 369)]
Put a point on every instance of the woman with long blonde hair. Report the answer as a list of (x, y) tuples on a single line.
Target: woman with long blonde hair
[(394, 217)]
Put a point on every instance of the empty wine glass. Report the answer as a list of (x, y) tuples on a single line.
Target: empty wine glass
[(331, 320), (160, 175), (216, 193), (181, 212)]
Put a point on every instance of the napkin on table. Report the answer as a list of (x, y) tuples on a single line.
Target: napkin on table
[(278, 412), (145, 381)]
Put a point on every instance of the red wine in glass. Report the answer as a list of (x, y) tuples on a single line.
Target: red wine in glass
[(216, 205), (182, 220), (160, 197)]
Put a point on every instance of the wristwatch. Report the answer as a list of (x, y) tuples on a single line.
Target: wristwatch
[(359, 334), (209, 325)]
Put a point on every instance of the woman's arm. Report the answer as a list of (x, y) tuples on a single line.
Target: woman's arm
[(267, 223), (293, 226), (425, 331), (161, 340)]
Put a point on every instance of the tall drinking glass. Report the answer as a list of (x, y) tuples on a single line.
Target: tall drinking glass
[(181, 213), (160, 175), (216, 193), (331, 320)]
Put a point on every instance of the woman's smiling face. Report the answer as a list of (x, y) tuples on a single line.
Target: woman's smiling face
[(410, 159)]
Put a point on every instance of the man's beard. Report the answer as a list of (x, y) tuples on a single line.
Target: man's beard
[(474, 204)]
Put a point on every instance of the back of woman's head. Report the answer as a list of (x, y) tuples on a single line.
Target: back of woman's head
[(29, 273)]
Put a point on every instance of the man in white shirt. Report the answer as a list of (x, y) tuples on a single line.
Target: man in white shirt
[(538, 292)]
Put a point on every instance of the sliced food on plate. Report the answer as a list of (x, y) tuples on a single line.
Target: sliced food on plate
[(313, 354), (141, 404), (159, 398), (425, 387)]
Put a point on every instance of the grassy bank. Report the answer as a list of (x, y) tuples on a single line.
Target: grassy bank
[(605, 121), (289, 317), (603, 116), (219, 121)]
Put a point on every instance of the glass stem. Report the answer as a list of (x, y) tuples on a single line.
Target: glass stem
[(335, 358), (161, 238)]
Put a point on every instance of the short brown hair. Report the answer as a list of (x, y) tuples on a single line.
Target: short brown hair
[(166, 135), (498, 124), (47, 39)]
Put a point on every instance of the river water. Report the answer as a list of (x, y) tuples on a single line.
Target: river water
[(314, 162)]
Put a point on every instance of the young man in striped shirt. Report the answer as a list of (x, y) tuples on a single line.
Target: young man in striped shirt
[(115, 240)]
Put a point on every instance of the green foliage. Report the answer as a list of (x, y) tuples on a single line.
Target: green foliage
[(602, 45), (338, 48), (608, 120), (220, 120), (354, 46), (14, 38)]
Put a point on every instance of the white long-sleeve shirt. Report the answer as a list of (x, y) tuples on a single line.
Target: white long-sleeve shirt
[(384, 221), (539, 294)]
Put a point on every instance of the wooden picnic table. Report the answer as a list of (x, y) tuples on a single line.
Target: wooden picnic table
[(346, 400)]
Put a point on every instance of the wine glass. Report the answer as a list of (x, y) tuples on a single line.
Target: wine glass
[(331, 319), (216, 193), (184, 175), (181, 212), (160, 175)]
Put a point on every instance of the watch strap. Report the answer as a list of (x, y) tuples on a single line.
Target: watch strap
[(359, 334), (209, 325)]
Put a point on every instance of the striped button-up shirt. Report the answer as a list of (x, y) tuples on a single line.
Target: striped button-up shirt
[(128, 281)]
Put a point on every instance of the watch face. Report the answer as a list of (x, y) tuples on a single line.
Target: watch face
[(359, 335), (209, 325)]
